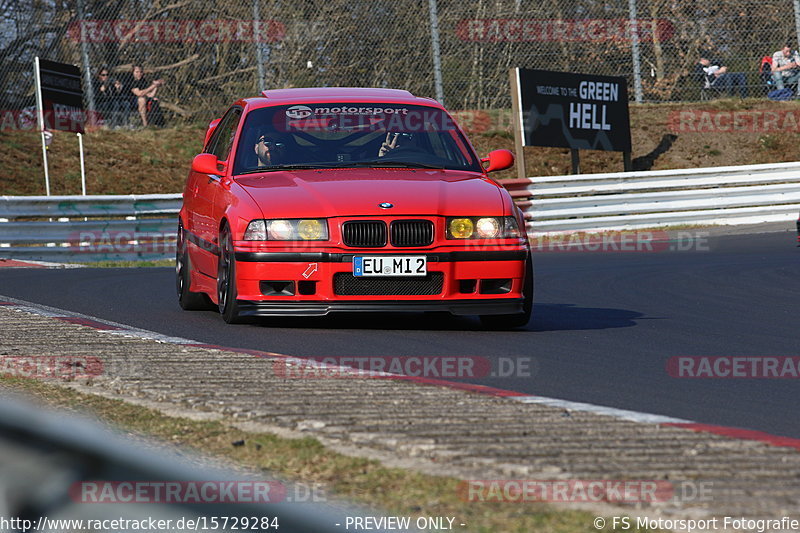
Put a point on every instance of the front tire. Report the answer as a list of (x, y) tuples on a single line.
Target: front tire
[(226, 279), (188, 300), (517, 320)]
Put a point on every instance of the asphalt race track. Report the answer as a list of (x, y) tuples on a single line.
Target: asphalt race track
[(605, 324)]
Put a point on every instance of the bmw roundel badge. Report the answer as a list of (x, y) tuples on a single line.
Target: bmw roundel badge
[(385, 205)]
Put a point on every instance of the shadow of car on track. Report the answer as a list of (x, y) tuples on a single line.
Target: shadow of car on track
[(546, 317), (430, 321), (561, 317)]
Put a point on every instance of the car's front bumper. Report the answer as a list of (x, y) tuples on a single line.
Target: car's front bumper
[(473, 282), (310, 308)]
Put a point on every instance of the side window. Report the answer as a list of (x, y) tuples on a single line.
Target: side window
[(212, 142), (222, 139)]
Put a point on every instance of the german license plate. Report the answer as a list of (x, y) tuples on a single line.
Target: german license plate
[(390, 265)]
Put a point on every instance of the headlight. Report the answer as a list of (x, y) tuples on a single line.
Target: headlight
[(487, 228), (482, 228), (279, 230), (293, 229)]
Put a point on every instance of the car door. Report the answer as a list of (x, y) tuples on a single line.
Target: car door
[(204, 188)]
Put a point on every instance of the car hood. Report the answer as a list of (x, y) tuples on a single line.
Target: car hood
[(358, 192)]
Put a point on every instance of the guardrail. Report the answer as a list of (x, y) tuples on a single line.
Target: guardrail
[(89, 228), (142, 227), (627, 200), (49, 457)]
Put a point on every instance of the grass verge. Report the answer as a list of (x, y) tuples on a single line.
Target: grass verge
[(131, 264), (397, 492), (157, 161)]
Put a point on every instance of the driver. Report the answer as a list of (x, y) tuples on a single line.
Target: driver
[(269, 151), (395, 140)]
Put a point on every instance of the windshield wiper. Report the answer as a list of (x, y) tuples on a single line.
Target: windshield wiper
[(342, 164), (379, 163), (275, 168)]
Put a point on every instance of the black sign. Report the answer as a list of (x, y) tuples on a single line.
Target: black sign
[(62, 96), (577, 111)]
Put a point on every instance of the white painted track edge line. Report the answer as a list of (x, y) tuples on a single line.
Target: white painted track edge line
[(633, 416), (53, 312)]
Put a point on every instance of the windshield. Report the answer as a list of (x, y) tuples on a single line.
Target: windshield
[(335, 135)]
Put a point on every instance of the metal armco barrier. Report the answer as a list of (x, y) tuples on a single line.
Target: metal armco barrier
[(49, 456), (96, 228), (719, 195), (89, 228)]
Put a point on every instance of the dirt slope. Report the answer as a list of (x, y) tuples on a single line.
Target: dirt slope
[(724, 132)]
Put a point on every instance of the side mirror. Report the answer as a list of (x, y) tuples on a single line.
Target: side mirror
[(210, 131), (207, 164), (498, 160)]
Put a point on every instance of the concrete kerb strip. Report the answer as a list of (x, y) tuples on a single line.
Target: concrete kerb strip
[(29, 263), (495, 434)]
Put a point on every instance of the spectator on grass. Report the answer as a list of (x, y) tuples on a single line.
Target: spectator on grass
[(713, 74), (785, 67), (120, 104), (145, 93), (111, 99), (102, 86)]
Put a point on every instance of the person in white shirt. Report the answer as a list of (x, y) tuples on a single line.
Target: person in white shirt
[(785, 67), (715, 75)]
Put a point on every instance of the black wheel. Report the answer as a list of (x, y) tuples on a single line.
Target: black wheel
[(188, 300), (226, 279), (517, 320)]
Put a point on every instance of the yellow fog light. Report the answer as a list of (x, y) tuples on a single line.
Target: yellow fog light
[(461, 228), (310, 230)]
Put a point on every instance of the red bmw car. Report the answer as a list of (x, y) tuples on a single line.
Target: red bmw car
[(311, 201)]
